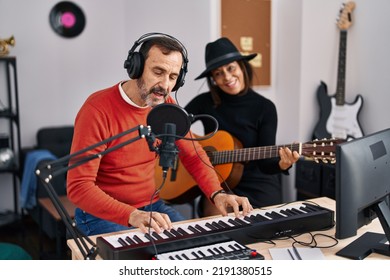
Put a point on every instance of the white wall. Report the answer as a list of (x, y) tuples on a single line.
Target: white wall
[(56, 74)]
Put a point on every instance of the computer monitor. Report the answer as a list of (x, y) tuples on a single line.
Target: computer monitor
[(362, 193)]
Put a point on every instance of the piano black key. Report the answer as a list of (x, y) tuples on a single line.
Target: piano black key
[(157, 236), (122, 242), (306, 209), (261, 218), (211, 251), (287, 213), (194, 230), (241, 222), (234, 223), (130, 241), (296, 211), (232, 247), (223, 249), (274, 215), (182, 231), (225, 225), (201, 253), (198, 227), (185, 256), (178, 257), (215, 224), (175, 233), (250, 219), (217, 251), (195, 254), (168, 234), (147, 235), (210, 226), (138, 240)]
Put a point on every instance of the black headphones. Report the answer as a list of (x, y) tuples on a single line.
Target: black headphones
[(135, 60)]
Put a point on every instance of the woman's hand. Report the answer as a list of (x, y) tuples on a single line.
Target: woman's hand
[(287, 158)]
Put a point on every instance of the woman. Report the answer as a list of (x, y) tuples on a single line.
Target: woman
[(246, 115)]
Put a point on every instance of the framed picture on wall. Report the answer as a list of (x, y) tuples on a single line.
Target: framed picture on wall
[(247, 23)]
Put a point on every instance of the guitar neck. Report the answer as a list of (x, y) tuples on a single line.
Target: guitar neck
[(340, 91), (248, 154)]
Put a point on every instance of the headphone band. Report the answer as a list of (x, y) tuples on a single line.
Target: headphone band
[(151, 35)]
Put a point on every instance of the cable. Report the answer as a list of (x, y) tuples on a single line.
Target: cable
[(151, 213), (314, 243)]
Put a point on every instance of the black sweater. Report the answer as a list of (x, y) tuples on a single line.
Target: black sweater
[(252, 119)]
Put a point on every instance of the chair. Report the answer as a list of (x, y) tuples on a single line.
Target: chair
[(57, 140)]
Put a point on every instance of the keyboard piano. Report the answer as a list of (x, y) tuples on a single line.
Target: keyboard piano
[(229, 250), (260, 225)]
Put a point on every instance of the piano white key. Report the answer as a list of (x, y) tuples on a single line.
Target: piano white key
[(203, 249)]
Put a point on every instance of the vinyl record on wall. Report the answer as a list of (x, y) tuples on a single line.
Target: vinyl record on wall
[(67, 19)]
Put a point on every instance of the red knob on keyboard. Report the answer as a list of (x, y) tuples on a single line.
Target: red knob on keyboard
[(253, 254)]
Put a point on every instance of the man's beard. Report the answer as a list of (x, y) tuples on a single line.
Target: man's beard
[(147, 95)]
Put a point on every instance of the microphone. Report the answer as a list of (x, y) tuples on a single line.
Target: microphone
[(169, 118), (169, 113), (171, 121), (168, 150)]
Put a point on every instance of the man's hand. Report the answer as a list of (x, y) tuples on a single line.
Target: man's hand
[(223, 201), (155, 220)]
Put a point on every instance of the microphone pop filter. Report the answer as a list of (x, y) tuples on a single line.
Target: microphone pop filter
[(168, 113)]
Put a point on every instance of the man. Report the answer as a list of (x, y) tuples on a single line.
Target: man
[(117, 191)]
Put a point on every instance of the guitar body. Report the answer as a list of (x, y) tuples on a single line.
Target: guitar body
[(185, 188), (343, 120), (337, 121)]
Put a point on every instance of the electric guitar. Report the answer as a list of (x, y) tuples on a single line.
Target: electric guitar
[(339, 119), (228, 157)]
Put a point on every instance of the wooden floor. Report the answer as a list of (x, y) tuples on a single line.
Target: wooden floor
[(25, 233)]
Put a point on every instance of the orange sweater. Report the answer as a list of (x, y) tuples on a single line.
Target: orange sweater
[(123, 180)]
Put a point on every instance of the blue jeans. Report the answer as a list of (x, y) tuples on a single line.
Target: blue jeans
[(91, 225)]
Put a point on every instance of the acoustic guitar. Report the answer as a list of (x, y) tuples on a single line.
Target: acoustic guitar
[(228, 157), (339, 119)]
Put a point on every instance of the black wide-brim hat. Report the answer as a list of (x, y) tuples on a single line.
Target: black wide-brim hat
[(221, 52)]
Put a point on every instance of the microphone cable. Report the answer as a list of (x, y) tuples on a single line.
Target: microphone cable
[(151, 215), (192, 138)]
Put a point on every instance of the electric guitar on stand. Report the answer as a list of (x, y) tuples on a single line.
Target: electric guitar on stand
[(339, 119)]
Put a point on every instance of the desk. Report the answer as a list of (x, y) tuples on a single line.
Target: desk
[(48, 206), (263, 248)]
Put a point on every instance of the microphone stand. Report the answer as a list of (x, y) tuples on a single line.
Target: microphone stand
[(46, 172)]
